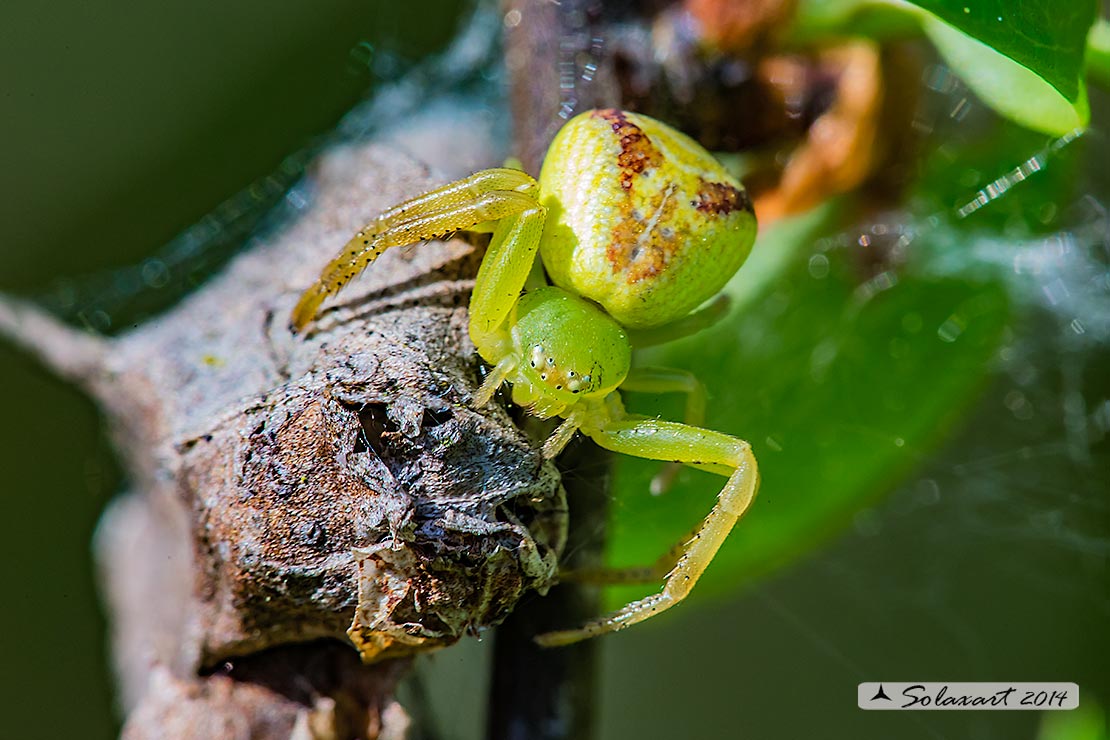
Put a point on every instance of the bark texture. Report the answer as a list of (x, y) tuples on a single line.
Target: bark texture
[(293, 493)]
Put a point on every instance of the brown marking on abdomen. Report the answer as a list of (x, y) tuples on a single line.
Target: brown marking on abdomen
[(720, 199), (637, 152), (640, 253), (632, 252)]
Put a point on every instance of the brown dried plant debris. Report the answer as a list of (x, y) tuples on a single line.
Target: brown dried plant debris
[(840, 150), (335, 486), (740, 26)]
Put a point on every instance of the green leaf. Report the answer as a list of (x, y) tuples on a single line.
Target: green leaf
[(1046, 36), (1026, 60), (839, 387), (1013, 90), (1098, 52)]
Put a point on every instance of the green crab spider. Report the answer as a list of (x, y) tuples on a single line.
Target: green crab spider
[(637, 226)]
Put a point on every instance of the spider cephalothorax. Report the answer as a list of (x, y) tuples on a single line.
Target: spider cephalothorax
[(566, 351)]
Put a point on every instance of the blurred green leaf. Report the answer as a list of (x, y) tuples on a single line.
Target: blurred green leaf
[(1013, 90), (1045, 36), (1098, 52), (816, 22), (839, 383), (1088, 722)]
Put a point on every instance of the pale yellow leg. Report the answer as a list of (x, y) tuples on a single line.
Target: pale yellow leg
[(703, 448), (562, 435), (501, 278), (669, 380), (489, 195), (653, 573), (494, 380)]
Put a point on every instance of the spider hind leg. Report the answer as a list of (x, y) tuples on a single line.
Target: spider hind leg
[(663, 440)]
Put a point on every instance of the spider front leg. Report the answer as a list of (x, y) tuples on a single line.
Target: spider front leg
[(501, 278), (489, 195), (701, 448)]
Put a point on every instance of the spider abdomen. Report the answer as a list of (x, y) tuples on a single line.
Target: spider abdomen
[(641, 219)]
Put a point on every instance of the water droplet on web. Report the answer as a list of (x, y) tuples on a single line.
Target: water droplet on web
[(155, 274), (928, 492), (999, 187), (819, 266), (951, 329)]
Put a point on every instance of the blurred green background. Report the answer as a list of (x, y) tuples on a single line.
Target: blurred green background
[(123, 127)]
